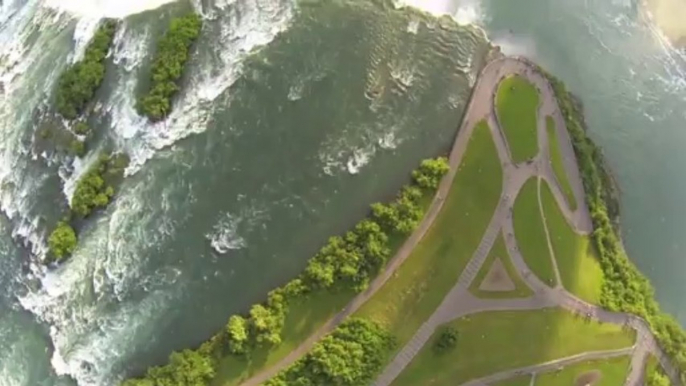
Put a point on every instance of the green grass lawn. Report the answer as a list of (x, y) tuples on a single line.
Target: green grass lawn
[(524, 380), (517, 107), (612, 372), (577, 260), (491, 342), (558, 164), (500, 251), (304, 317), (530, 233), (421, 283)]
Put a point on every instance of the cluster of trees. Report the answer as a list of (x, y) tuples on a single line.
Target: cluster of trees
[(446, 340), (92, 191), (78, 83), (625, 289), (350, 356), (167, 67), (349, 261)]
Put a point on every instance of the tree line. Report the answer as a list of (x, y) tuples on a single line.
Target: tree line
[(624, 289), (350, 356), (348, 261), (168, 65)]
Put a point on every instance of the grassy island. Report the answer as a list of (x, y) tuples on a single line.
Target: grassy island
[(78, 83), (168, 65)]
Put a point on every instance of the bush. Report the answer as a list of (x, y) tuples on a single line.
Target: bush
[(625, 289), (446, 340), (351, 355), (62, 241), (78, 83), (167, 67), (77, 147), (81, 128), (188, 368), (430, 172), (91, 190)]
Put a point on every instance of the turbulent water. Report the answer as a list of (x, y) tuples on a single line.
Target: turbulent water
[(293, 117)]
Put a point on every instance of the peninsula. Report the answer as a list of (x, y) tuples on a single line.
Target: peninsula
[(508, 272)]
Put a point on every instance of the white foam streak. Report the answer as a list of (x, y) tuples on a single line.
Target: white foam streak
[(105, 8)]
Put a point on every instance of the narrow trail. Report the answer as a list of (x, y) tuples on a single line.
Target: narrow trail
[(550, 366), (459, 301)]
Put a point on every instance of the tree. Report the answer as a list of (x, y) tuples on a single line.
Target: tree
[(267, 324), (430, 172), (237, 329), (446, 340), (656, 378), (188, 368), (62, 241)]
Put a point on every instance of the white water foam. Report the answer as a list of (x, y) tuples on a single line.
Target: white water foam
[(243, 26), (224, 236), (105, 8), (464, 12)]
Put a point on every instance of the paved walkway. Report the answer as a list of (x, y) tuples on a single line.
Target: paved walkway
[(459, 302)]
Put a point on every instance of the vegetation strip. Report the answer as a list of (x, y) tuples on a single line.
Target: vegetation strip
[(530, 232), (517, 104), (346, 264), (168, 65), (576, 257), (558, 163), (625, 289), (78, 83)]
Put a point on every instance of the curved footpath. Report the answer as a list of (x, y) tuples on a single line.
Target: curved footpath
[(459, 301)]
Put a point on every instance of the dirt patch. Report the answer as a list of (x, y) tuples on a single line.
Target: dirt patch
[(497, 279), (588, 378)]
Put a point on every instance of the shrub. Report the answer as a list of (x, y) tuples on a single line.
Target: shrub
[(446, 340), (430, 172), (91, 190), (77, 147), (78, 83), (62, 241), (351, 355), (81, 128), (168, 64)]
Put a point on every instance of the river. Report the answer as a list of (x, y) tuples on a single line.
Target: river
[(292, 119)]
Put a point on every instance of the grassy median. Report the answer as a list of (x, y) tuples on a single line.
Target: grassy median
[(420, 284), (517, 106), (490, 342)]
